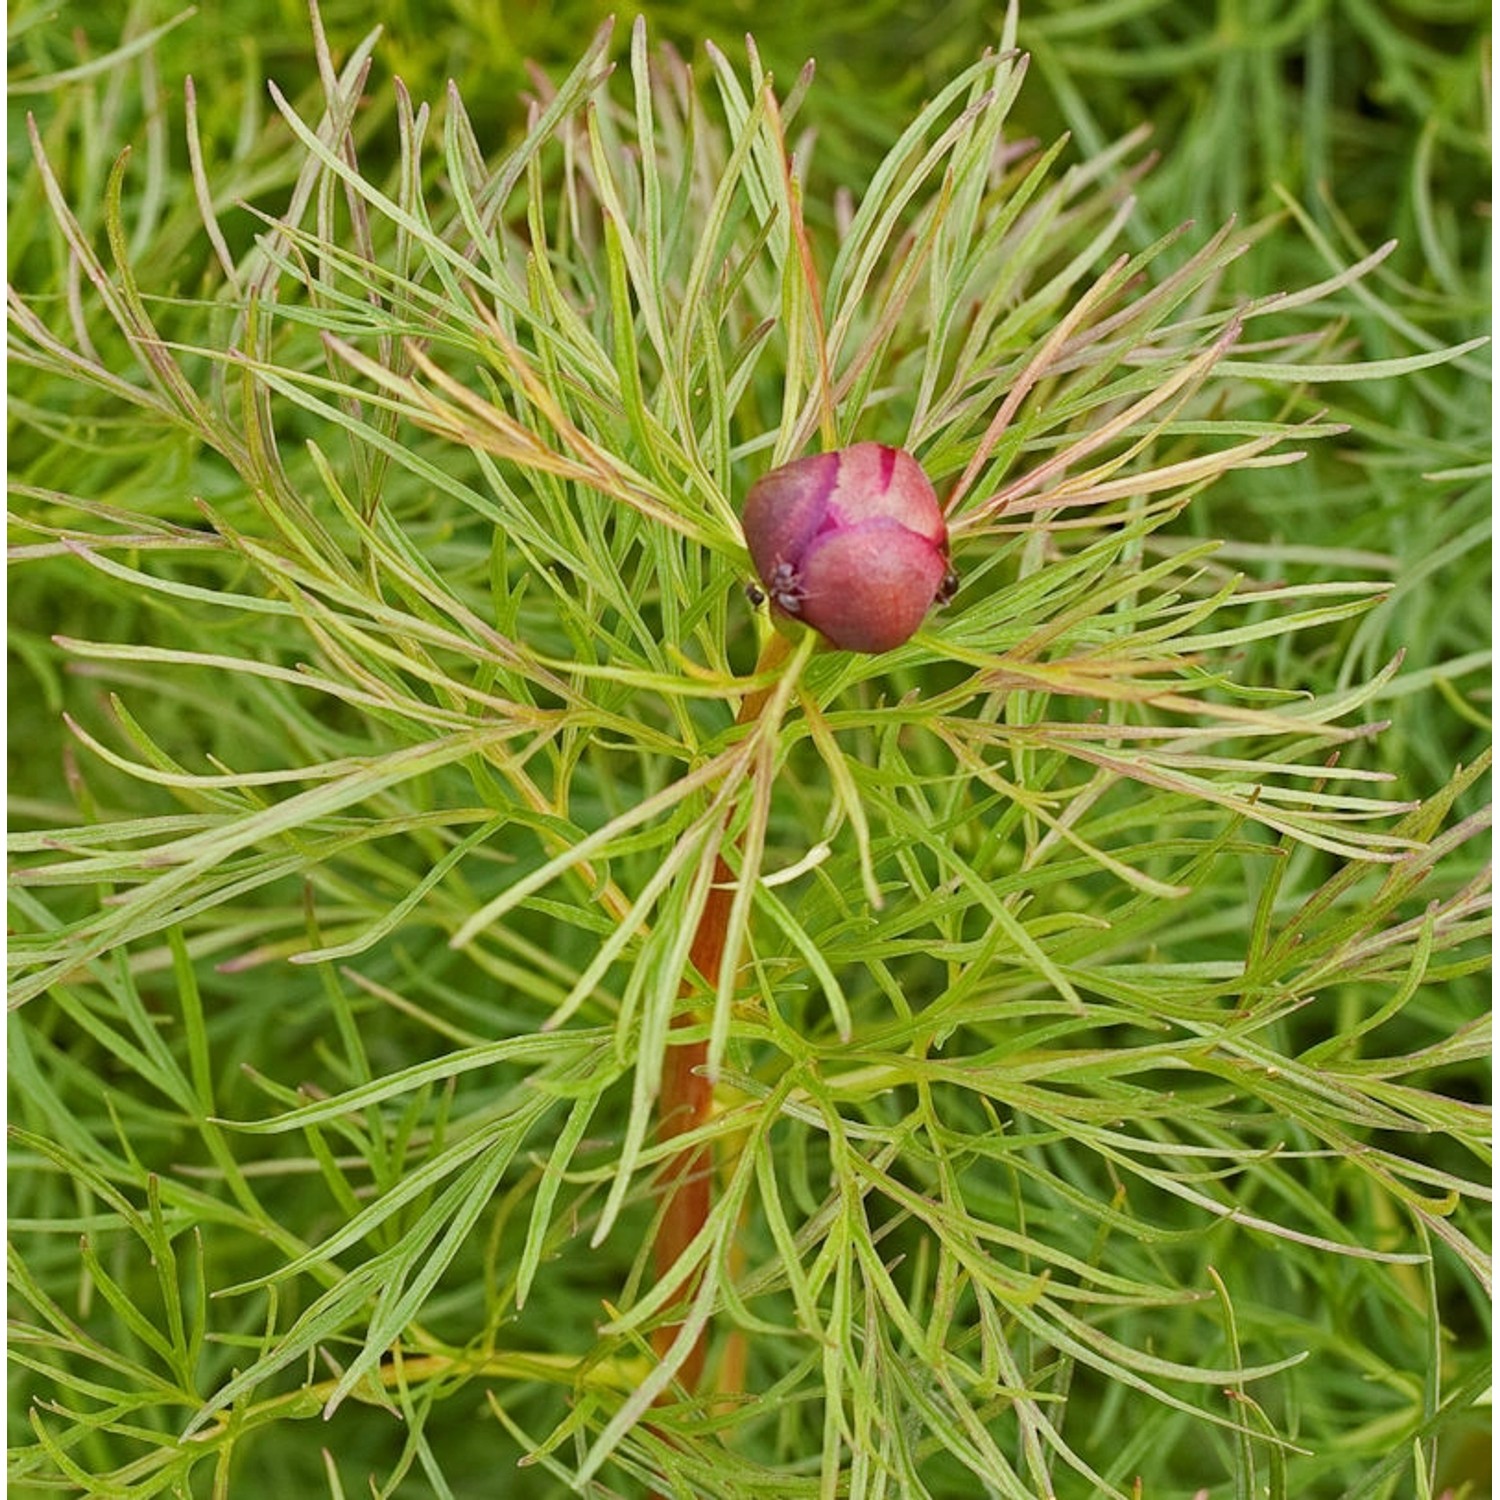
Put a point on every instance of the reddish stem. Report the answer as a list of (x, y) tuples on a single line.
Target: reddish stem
[(687, 1095), (686, 1101)]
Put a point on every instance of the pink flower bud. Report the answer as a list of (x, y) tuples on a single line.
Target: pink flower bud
[(852, 543)]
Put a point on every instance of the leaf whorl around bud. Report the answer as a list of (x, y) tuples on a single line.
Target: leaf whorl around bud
[(852, 543)]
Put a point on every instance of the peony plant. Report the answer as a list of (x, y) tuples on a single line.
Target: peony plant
[(480, 987)]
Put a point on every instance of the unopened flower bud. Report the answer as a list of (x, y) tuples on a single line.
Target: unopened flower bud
[(852, 543)]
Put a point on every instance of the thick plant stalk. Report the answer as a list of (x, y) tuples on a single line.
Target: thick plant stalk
[(687, 1095), (686, 1102)]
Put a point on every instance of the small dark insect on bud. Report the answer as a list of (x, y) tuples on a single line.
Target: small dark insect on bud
[(852, 543)]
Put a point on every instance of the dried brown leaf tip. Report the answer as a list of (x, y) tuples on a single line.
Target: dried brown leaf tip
[(852, 543)]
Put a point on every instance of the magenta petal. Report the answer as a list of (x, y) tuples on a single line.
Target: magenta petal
[(868, 587), (874, 480), (785, 508)]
